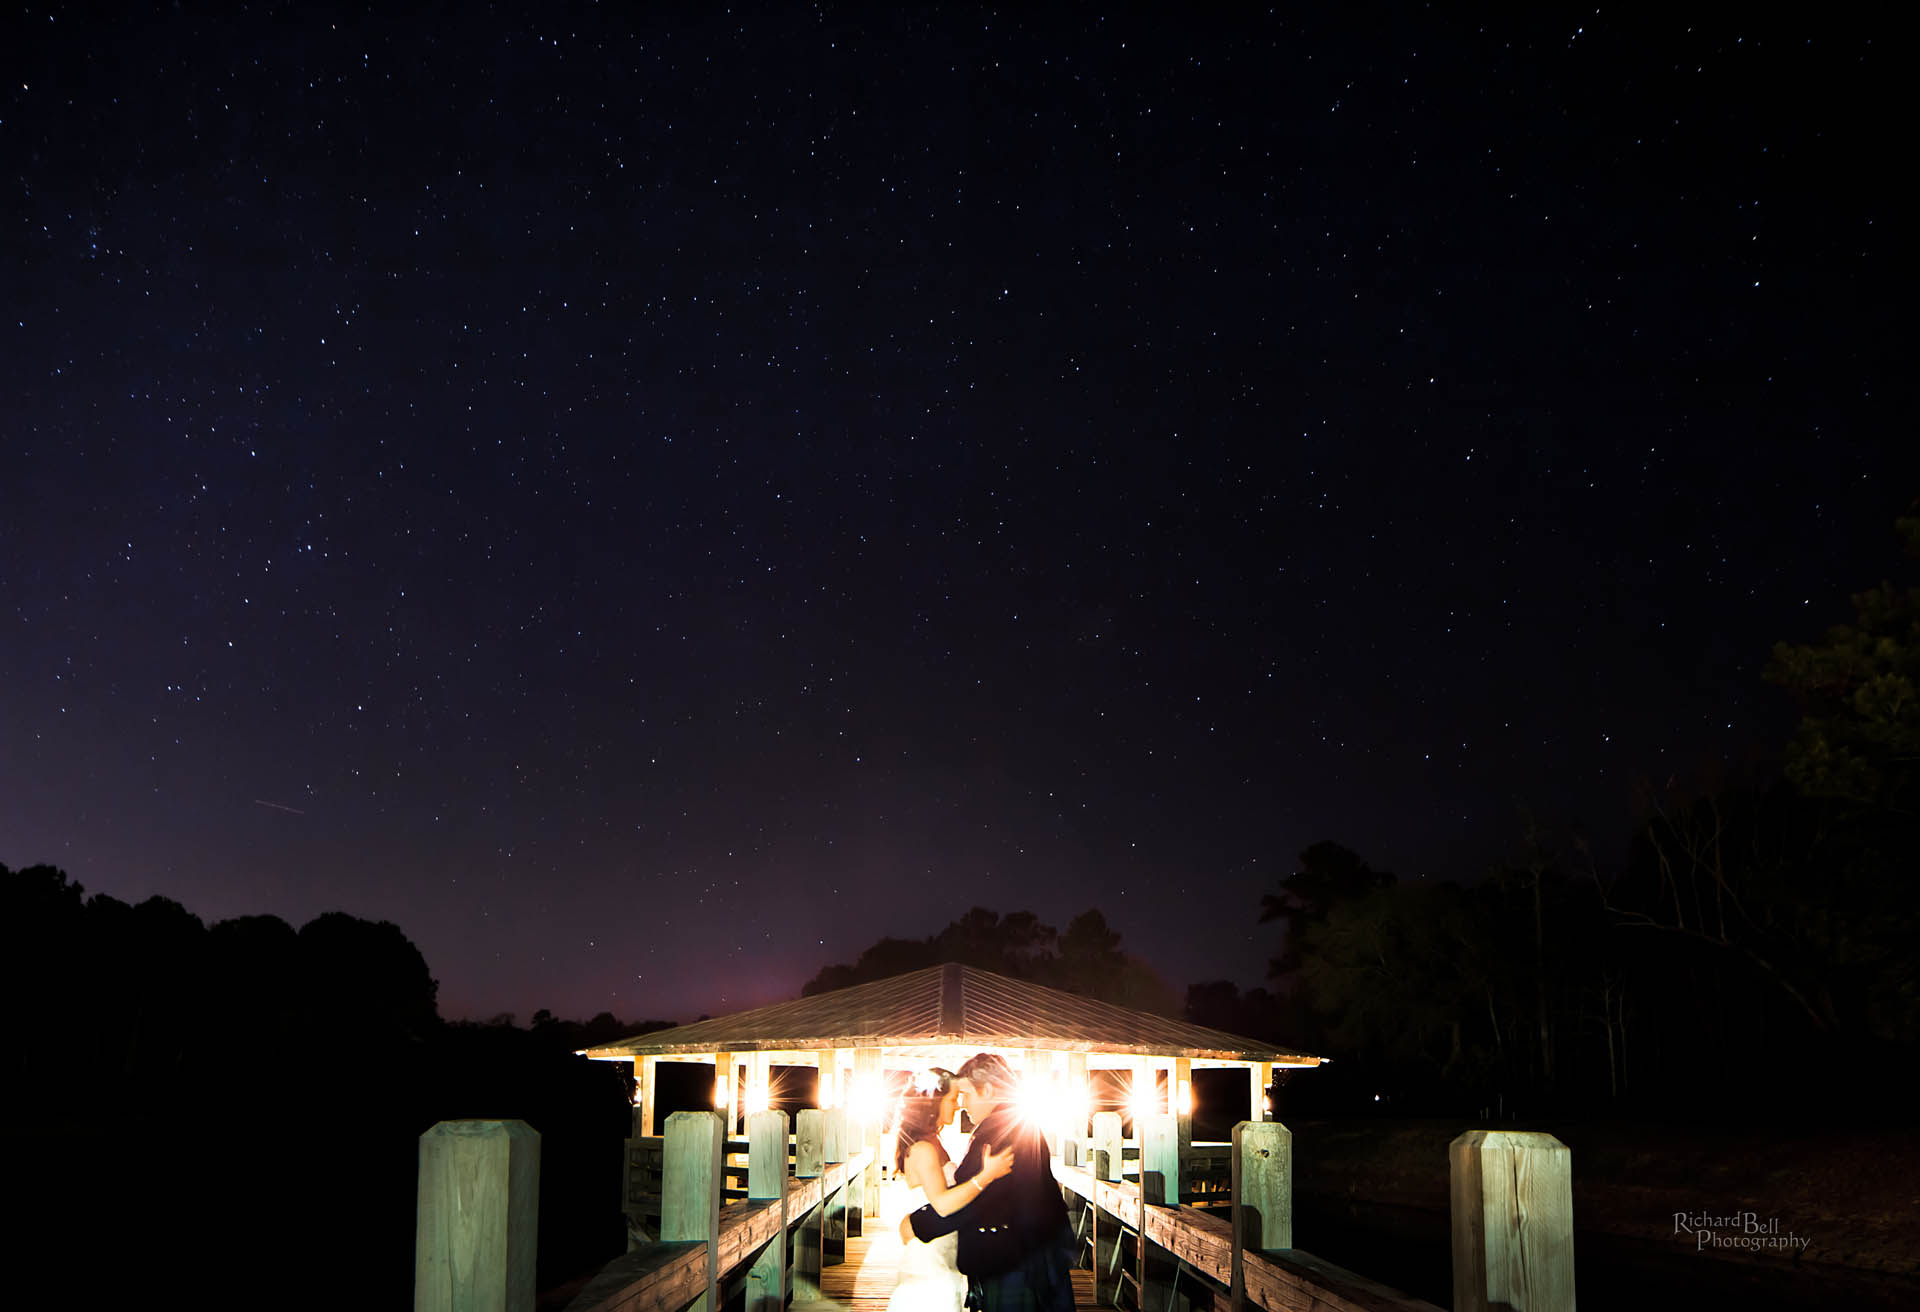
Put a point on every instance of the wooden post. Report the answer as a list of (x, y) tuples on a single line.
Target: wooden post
[(759, 1085), (1512, 1204), (690, 1183), (726, 1097), (1180, 1094), (833, 1228), (1260, 1075), (868, 1064), (645, 1075), (825, 1094), (476, 1217), (1079, 1094), (767, 1179), (1108, 1147), (810, 1137), (1160, 1160), (1262, 1195)]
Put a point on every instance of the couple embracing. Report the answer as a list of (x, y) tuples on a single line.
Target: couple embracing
[(989, 1233)]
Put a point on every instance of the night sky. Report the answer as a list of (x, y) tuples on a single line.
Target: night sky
[(651, 499)]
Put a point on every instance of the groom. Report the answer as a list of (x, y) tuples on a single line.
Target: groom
[(1016, 1248)]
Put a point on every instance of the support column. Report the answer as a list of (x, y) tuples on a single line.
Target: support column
[(1260, 1076), (829, 1089), (1079, 1095), (759, 1093), (646, 1093), (869, 1071), (726, 1096), (1180, 1094)]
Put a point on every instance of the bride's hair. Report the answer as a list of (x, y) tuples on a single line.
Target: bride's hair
[(917, 1115)]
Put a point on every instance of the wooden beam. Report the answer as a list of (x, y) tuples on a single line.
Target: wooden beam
[(477, 1217), (1512, 1204)]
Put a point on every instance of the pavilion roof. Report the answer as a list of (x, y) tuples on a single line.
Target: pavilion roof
[(949, 1005)]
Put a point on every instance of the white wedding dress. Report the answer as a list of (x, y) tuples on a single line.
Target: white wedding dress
[(930, 1279)]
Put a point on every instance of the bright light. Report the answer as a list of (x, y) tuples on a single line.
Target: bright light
[(759, 1098), (867, 1099), (1186, 1097), (720, 1095), (1040, 1101), (1146, 1099), (1080, 1107)]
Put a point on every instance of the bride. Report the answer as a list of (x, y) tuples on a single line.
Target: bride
[(930, 1279)]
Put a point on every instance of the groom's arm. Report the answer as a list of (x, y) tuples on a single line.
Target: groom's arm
[(928, 1225)]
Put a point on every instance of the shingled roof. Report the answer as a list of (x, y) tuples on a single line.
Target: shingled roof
[(949, 1005)]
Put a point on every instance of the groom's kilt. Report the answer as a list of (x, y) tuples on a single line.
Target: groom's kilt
[(1042, 1283)]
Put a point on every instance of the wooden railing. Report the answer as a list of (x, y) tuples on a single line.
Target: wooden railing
[(794, 1220), (1511, 1211), (479, 1183)]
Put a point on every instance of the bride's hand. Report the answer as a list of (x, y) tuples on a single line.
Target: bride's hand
[(996, 1166)]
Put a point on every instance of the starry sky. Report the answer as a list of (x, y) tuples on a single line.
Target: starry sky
[(650, 499)]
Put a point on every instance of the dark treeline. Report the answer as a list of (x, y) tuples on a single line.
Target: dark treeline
[(230, 1113), (1751, 957)]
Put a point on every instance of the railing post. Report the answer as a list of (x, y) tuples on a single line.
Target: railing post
[(833, 1230), (691, 1176), (1159, 1186), (809, 1162), (1108, 1147), (1106, 1159), (477, 1216), (1159, 1160), (1262, 1195), (1512, 1205), (767, 1180)]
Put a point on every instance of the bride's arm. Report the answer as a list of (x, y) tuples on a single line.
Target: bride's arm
[(924, 1173)]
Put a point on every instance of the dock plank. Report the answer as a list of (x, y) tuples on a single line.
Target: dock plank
[(864, 1282)]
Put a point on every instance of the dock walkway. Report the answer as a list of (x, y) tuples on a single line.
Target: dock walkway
[(864, 1282)]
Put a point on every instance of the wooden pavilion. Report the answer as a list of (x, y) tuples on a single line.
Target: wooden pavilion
[(774, 1219), (940, 1016)]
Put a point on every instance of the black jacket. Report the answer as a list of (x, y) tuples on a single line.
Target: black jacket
[(1014, 1217)]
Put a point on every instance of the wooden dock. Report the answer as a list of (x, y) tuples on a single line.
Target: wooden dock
[(864, 1282)]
